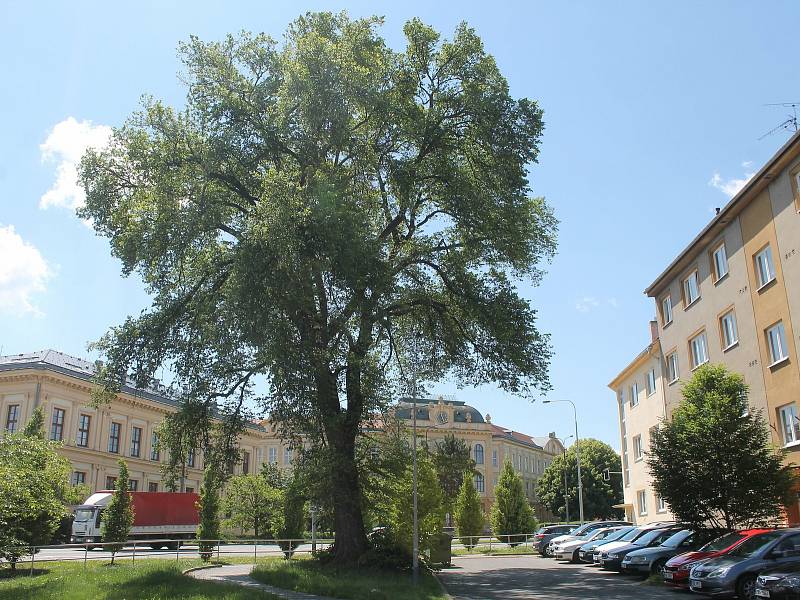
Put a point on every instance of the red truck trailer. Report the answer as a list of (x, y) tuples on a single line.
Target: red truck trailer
[(156, 516)]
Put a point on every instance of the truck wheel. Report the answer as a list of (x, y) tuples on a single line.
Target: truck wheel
[(746, 587)]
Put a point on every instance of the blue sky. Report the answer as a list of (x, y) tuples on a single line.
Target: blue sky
[(653, 113)]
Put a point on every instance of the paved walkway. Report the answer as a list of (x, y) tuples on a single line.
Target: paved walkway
[(240, 575)]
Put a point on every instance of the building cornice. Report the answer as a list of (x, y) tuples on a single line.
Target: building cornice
[(653, 349)]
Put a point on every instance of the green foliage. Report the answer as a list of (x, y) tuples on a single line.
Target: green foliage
[(451, 457), (289, 520), (322, 211), (118, 514), (209, 508), (599, 496), (35, 479), (250, 503), (469, 512), (511, 513), (35, 425), (713, 462), (274, 476)]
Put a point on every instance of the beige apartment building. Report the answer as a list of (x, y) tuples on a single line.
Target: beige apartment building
[(94, 438), (732, 296)]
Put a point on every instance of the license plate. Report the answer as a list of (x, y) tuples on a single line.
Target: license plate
[(695, 585), (762, 593), (668, 575)]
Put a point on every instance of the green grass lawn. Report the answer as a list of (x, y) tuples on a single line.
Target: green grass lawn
[(146, 580), (357, 584), (484, 550)]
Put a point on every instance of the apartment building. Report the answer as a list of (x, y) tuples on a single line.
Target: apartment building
[(95, 437), (732, 296)]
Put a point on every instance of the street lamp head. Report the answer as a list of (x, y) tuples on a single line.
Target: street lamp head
[(546, 401)]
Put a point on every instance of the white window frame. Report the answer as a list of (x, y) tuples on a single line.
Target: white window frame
[(479, 454), (651, 382), (719, 258), (641, 501), (776, 343), (12, 418), (687, 288), (633, 390), (288, 456), (638, 448), (673, 372), (136, 442), (729, 329), (661, 504), (272, 455), (78, 477), (666, 310), (698, 350), (58, 419), (790, 427), (494, 457), (765, 267)]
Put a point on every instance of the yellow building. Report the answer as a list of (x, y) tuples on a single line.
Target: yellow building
[(95, 437), (732, 296)]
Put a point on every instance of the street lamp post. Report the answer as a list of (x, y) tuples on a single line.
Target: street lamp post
[(577, 454)]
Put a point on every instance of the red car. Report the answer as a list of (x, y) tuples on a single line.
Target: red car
[(676, 571)]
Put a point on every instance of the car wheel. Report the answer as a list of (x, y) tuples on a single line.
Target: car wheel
[(657, 567), (575, 557), (746, 588)]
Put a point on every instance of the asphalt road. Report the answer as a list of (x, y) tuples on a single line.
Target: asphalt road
[(534, 577)]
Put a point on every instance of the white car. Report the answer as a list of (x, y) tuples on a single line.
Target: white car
[(568, 550), (585, 529)]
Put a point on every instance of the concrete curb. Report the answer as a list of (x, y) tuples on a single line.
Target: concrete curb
[(200, 568)]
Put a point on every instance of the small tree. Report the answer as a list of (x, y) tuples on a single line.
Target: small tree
[(469, 512), (250, 504), (208, 507), (451, 457), (35, 425), (713, 462), (511, 512), (288, 522), (118, 515)]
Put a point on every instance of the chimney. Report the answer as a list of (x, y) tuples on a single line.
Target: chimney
[(716, 210), (653, 330)]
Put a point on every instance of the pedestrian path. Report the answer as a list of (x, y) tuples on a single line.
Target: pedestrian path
[(240, 575)]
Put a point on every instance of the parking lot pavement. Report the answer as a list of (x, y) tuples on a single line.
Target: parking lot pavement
[(517, 577)]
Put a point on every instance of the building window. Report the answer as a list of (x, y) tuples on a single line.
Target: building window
[(190, 458), (661, 504), (634, 391), (720, 260), (641, 496), (672, 367), (480, 486), (691, 289), (111, 482), (136, 441), (776, 340), (789, 423), (155, 451), (84, 423), (479, 454), (666, 310), (152, 486), (638, 448), (189, 490), (494, 458), (272, 456), (12, 418), (78, 478), (245, 463), (57, 425), (287, 456), (133, 485), (113, 438), (651, 382), (698, 350), (727, 325), (765, 268)]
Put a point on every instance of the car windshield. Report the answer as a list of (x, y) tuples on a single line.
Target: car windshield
[(84, 514), (676, 539), (651, 536), (723, 542), (599, 534), (632, 535), (751, 546), (615, 535)]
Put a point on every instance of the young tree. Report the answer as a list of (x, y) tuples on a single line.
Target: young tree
[(511, 513), (250, 504), (713, 462), (35, 425), (274, 476), (469, 512), (451, 457), (289, 520), (118, 514), (599, 495), (322, 213), (209, 508), (34, 479)]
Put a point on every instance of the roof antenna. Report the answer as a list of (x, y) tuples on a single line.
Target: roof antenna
[(788, 124)]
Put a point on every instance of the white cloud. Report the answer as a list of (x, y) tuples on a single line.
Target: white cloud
[(23, 273), (731, 187), (586, 304), (65, 146)]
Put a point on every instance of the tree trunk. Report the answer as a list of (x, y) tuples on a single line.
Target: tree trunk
[(350, 540)]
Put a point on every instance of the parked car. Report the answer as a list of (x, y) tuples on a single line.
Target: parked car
[(587, 550), (676, 571), (736, 571), (652, 560), (569, 550), (543, 536), (630, 536), (583, 530), (782, 583), (612, 561)]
